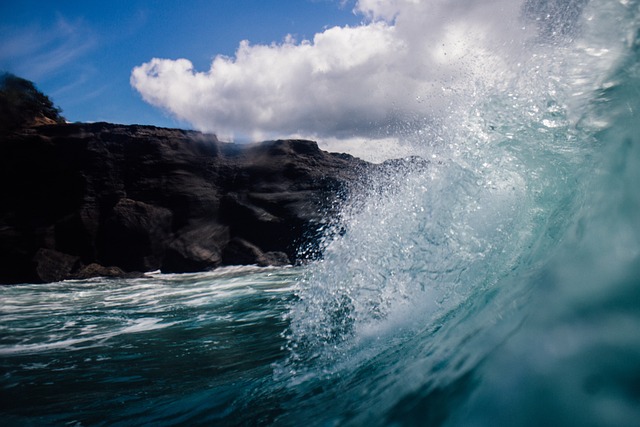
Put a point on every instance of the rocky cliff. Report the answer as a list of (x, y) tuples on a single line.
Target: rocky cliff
[(82, 200), (23, 105)]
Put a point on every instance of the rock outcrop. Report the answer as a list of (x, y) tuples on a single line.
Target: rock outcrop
[(23, 105), (78, 200)]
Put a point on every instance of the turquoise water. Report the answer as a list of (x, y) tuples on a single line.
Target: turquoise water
[(165, 350), (498, 284)]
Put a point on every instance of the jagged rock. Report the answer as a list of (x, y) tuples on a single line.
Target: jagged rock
[(257, 224), (53, 266), (273, 258), (195, 250), (143, 198), (241, 252), (97, 270), (135, 235)]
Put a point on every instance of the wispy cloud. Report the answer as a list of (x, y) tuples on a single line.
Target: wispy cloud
[(36, 52)]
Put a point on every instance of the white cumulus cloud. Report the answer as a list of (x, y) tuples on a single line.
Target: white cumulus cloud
[(402, 65)]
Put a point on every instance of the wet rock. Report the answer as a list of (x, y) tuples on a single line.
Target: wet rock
[(197, 249), (97, 270), (142, 198), (135, 235), (53, 266), (241, 252)]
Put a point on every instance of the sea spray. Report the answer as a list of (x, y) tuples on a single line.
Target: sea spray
[(429, 230), (491, 280), (440, 265)]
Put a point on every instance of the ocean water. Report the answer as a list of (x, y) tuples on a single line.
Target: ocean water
[(495, 284)]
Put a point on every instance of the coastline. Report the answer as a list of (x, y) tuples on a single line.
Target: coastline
[(83, 200)]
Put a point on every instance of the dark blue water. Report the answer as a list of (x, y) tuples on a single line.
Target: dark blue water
[(498, 284)]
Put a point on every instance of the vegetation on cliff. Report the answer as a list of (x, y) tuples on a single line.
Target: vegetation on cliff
[(86, 199), (23, 105)]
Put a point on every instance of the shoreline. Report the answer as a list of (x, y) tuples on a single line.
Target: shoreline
[(86, 200)]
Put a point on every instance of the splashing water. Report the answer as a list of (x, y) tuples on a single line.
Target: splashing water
[(479, 277), (493, 280)]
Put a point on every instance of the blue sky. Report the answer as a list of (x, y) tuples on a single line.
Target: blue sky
[(81, 53), (341, 72)]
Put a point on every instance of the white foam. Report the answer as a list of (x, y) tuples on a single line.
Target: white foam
[(145, 324)]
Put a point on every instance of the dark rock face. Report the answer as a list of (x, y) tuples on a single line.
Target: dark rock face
[(52, 266), (140, 232), (197, 249), (241, 252), (97, 270), (100, 199)]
